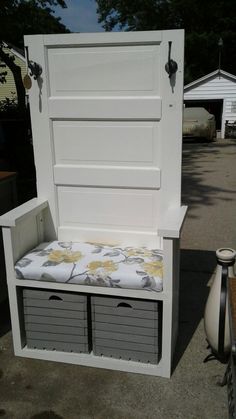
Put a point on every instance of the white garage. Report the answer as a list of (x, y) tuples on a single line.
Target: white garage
[(217, 93)]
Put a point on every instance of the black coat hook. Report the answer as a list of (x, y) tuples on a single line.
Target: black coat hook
[(171, 66), (35, 68)]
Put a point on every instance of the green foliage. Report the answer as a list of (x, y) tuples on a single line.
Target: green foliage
[(204, 23), (3, 76), (8, 107), (19, 18), (134, 15), (24, 17)]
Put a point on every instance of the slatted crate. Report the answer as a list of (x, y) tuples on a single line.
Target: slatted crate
[(55, 320), (126, 328)]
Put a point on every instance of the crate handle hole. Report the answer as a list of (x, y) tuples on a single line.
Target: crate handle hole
[(124, 305), (55, 297)]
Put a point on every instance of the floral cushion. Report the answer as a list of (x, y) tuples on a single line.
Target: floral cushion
[(93, 264)]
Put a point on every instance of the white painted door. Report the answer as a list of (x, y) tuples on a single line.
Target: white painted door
[(107, 131)]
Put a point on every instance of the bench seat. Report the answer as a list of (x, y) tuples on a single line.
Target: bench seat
[(94, 264)]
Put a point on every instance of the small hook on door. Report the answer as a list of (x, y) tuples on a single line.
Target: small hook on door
[(171, 66), (35, 68)]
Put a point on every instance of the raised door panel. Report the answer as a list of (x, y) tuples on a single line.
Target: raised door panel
[(105, 142), (105, 82), (107, 208), (113, 154), (110, 70)]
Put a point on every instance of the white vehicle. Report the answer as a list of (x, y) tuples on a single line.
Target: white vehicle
[(199, 123)]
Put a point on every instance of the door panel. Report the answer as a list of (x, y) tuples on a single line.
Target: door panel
[(108, 208), (116, 70), (97, 142)]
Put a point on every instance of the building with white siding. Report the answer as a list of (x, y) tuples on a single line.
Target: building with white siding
[(217, 93)]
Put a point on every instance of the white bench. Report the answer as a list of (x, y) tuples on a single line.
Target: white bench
[(107, 135)]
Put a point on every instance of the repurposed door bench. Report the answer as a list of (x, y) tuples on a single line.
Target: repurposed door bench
[(93, 262)]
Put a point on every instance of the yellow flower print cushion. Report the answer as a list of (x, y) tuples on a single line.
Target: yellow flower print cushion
[(107, 266), (153, 268), (96, 264), (63, 256)]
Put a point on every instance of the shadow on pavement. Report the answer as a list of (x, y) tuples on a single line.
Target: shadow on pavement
[(197, 162), (196, 269)]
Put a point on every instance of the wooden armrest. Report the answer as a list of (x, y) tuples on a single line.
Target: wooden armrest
[(172, 222), (29, 208)]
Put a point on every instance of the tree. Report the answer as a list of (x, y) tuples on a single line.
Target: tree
[(204, 23), (23, 17)]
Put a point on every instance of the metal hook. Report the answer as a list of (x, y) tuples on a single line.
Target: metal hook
[(171, 66), (35, 68)]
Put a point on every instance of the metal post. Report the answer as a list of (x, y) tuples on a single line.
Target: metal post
[(220, 45)]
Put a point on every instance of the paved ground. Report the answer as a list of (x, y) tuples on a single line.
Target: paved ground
[(32, 389), (209, 188)]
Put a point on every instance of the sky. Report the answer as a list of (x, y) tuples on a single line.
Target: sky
[(80, 16)]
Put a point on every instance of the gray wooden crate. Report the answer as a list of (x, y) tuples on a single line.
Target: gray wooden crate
[(55, 320), (117, 320), (57, 346), (126, 312), (52, 328), (56, 337), (127, 355), (126, 328), (125, 337), (52, 312), (51, 320), (136, 304), (46, 294)]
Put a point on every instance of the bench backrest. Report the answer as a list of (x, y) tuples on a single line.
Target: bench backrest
[(107, 132)]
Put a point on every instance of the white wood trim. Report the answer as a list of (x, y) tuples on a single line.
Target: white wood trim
[(41, 130), (91, 360), (126, 237), (167, 310), (176, 280), (12, 291), (108, 176), (28, 209), (131, 38), (89, 289), (171, 122), (172, 222), (115, 108)]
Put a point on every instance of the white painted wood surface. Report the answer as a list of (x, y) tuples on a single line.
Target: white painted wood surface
[(107, 135), (24, 211), (172, 222), (121, 143), (132, 209), (93, 131)]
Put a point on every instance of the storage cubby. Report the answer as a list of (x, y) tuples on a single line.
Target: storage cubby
[(122, 328)]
